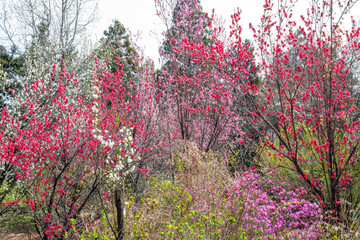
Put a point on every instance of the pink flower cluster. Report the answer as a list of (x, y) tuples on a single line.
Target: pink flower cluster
[(276, 209), (260, 207)]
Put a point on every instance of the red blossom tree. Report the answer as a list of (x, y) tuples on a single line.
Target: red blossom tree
[(312, 125), (68, 151), (201, 103), (52, 150), (303, 110)]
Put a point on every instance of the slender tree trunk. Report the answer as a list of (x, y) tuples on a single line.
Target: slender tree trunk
[(119, 204)]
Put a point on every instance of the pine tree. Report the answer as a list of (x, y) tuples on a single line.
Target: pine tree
[(118, 51), (11, 68)]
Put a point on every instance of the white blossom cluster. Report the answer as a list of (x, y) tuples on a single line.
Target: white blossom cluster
[(95, 108), (2, 74), (98, 135), (2, 81), (124, 162)]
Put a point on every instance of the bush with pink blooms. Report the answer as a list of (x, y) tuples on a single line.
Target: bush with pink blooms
[(275, 209), (217, 205)]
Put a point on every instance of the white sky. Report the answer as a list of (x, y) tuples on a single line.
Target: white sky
[(140, 16)]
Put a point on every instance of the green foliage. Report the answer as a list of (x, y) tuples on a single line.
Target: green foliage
[(117, 51), (95, 231), (13, 214), (10, 63), (11, 68), (171, 208), (7, 181)]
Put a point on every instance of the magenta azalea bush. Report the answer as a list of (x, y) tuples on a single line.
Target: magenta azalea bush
[(216, 205), (274, 209)]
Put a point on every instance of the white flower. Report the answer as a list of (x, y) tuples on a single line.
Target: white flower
[(119, 167)]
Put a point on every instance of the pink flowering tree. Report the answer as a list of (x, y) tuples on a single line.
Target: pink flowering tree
[(308, 108), (201, 103), (303, 110), (69, 151), (52, 150)]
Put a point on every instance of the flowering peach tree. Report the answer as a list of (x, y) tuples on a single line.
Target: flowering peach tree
[(303, 109), (68, 150)]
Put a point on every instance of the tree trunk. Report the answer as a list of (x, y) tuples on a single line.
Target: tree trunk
[(119, 212)]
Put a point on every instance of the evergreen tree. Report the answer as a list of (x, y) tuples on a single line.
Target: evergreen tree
[(11, 64), (189, 24), (118, 51), (11, 68), (118, 54)]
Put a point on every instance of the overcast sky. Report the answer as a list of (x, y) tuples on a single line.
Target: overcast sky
[(140, 16)]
